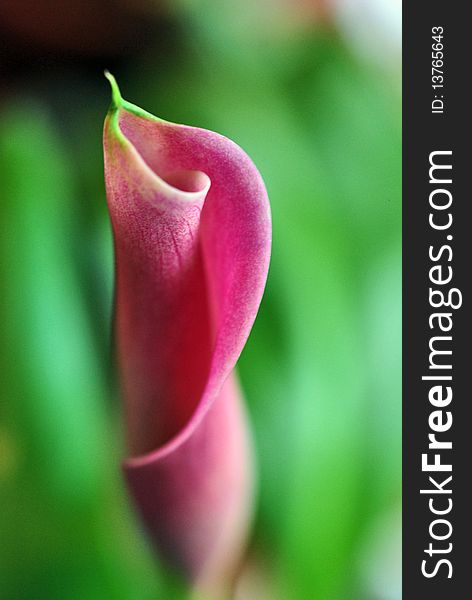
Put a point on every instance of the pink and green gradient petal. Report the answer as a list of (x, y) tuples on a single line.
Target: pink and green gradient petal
[(192, 234)]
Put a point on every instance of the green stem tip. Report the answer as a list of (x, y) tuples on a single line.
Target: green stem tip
[(117, 100)]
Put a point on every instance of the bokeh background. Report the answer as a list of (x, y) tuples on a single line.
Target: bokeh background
[(311, 90)]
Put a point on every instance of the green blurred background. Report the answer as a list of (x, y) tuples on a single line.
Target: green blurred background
[(311, 90)]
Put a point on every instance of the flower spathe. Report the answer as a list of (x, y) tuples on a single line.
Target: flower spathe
[(192, 233)]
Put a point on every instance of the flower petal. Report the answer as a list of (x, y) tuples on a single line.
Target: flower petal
[(191, 223)]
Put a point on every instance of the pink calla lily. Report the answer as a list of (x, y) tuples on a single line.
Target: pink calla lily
[(192, 229)]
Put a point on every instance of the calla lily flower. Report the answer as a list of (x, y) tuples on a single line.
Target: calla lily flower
[(192, 230)]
